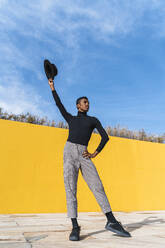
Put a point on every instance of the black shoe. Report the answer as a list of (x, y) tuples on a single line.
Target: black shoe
[(117, 228), (74, 236)]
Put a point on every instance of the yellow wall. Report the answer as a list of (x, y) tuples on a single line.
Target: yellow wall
[(31, 171)]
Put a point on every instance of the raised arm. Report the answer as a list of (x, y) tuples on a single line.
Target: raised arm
[(67, 116), (104, 135)]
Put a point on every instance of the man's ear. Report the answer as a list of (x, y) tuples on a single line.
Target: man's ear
[(78, 104)]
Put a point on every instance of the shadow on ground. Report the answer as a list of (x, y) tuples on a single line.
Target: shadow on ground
[(147, 221), (131, 227)]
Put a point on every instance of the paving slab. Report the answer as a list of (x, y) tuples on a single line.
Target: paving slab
[(50, 230)]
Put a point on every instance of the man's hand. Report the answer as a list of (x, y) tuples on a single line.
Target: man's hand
[(86, 154), (51, 83)]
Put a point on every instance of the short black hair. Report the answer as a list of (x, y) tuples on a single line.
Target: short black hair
[(78, 99)]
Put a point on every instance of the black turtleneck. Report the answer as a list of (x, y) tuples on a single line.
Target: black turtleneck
[(81, 125)]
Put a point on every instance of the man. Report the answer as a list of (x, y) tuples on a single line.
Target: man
[(76, 156)]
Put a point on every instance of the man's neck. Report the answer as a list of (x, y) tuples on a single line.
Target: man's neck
[(81, 113)]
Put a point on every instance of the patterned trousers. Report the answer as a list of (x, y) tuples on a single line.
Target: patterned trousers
[(73, 160)]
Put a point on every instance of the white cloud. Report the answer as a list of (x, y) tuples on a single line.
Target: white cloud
[(64, 19), (18, 97), (60, 26)]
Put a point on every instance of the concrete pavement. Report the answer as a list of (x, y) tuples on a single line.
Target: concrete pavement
[(52, 230)]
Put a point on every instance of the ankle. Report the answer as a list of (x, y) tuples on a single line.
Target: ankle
[(110, 217), (74, 222)]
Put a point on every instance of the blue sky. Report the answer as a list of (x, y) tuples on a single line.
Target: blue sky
[(110, 51)]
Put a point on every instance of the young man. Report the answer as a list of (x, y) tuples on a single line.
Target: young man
[(76, 156)]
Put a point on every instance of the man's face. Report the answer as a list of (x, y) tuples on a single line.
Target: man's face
[(83, 105)]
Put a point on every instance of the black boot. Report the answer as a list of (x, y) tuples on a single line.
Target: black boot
[(75, 234), (117, 228)]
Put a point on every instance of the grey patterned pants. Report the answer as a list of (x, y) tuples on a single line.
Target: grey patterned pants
[(73, 160)]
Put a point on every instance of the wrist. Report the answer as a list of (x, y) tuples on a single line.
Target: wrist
[(96, 152)]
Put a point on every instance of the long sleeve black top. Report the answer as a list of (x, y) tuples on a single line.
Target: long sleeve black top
[(81, 126)]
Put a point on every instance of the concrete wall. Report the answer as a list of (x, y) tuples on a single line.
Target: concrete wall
[(31, 171)]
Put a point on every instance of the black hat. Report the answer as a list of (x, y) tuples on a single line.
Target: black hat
[(50, 69)]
